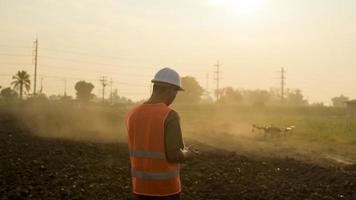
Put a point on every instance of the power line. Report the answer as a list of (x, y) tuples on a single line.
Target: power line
[(14, 55), (80, 69), (87, 54), (13, 63), (35, 57), (15, 47), (100, 56), (90, 79), (116, 66), (44, 57), (82, 54), (77, 61)]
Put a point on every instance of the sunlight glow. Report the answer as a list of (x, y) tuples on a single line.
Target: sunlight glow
[(241, 8)]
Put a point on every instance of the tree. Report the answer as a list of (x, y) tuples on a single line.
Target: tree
[(229, 95), (340, 101), (21, 80), (39, 99), (192, 91), (317, 104), (8, 94), (295, 98), (116, 98), (59, 98), (257, 97), (206, 98), (84, 90), (274, 96)]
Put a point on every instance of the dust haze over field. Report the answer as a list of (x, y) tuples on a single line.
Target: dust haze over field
[(320, 133)]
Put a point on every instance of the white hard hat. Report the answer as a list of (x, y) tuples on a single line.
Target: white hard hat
[(169, 77)]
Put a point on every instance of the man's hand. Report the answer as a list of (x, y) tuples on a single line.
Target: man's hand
[(181, 155), (189, 152)]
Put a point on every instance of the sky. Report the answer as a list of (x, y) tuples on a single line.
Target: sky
[(128, 41)]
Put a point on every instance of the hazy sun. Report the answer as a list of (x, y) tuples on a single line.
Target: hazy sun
[(242, 8)]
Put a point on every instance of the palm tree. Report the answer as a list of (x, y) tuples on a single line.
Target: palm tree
[(21, 79)]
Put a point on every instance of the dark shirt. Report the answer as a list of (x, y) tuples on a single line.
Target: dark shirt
[(173, 139)]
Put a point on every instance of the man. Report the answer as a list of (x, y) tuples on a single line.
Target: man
[(155, 141)]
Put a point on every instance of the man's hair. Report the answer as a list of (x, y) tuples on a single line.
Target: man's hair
[(159, 88)]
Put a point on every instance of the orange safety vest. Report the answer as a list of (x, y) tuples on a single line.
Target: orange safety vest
[(151, 173)]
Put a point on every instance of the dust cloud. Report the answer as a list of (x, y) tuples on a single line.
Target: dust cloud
[(91, 122), (221, 127)]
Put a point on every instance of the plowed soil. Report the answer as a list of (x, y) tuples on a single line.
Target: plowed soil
[(40, 168)]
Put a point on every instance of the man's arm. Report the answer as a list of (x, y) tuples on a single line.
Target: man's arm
[(175, 152)]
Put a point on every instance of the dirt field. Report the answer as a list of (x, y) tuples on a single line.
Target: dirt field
[(33, 167)]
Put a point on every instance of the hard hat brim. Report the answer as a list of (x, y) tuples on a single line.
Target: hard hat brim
[(167, 85)]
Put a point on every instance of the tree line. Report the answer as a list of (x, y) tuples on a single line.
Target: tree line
[(21, 85), (193, 94)]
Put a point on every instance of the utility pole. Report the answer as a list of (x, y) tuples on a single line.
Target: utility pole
[(35, 61), (41, 86), (217, 78), (111, 83), (283, 82), (65, 87), (104, 84)]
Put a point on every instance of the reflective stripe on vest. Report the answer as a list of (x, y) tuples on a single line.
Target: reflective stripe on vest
[(148, 154), (155, 176)]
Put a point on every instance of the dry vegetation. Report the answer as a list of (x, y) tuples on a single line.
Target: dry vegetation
[(319, 131)]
